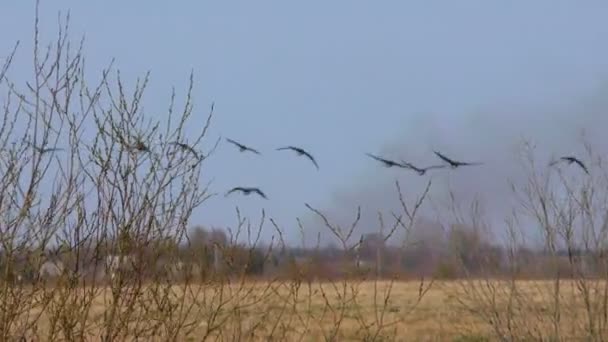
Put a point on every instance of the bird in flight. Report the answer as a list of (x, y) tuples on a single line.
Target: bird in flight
[(242, 147), (300, 152), (422, 171), (139, 146), (453, 163), (247, 191), (386, 162), (570, 160), (43, 150), (185, 147)]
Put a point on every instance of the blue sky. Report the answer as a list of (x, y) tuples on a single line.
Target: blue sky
[(341, 78)]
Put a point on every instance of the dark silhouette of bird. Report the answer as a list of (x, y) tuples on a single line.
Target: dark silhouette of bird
[(185, 147), (386, 162), (422, 171), (453, 163), (43, 150), (242, 147), (247, 191), (139, 146), (570, 160), (300, 152)]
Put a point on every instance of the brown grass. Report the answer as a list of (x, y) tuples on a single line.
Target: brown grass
[(260, 311)]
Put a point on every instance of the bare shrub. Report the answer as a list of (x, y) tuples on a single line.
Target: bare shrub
[(564, 212), (348, 288), (92, 185), (96, 199)]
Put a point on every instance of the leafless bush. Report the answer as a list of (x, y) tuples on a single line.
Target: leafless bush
[(93, 194), (348, 288), (556, 236), (96, 199)]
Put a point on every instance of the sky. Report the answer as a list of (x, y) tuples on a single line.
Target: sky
[(345, 78)]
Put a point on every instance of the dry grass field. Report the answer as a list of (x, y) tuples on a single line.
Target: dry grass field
[(95, 190), (449, 311)]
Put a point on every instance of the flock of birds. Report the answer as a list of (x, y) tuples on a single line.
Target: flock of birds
[(448, 162)]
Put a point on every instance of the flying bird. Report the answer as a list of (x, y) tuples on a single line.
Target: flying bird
[(570, 160), (242, 147), (300, 152), (185, 147), (247, 191), (43, 150), (422, 171), (453, 163), (386, 162), (139, 146)]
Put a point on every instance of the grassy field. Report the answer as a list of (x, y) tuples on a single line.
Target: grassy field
[(449, 311)]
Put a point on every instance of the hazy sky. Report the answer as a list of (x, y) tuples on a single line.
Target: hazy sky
[(341, 78)]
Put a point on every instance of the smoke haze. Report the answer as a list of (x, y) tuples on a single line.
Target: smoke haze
[(493, 136)]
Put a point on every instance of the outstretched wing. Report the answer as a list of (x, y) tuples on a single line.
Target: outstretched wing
[(42, 150), (382, 160), (239, 145), (435, 167), (444, 158), (555, 162), (259, 192), (45, 150), (580, 163), (570, 159), (300, 151), (410, 166), (252, 150), (376, 158), (186, 147), (238, 188), (312, 159), (469, 163)]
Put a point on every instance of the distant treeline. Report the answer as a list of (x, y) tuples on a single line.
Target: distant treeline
[(208, 254)]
